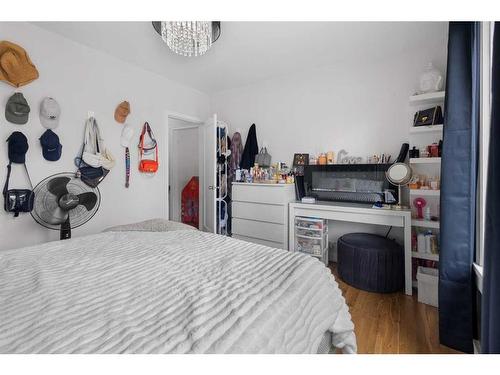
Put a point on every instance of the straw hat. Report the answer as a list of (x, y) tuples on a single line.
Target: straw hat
[(16, 67)]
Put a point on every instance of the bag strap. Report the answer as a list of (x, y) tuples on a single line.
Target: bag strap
[(27, 173), (6, 186), (127, 167)]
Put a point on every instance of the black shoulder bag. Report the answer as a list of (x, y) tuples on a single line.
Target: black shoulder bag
[(18, 200)]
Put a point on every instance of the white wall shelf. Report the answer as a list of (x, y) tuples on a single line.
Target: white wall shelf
[(426, 192), (429, 98), (425, 161), (426, 129), (425, 223), (425, 256)]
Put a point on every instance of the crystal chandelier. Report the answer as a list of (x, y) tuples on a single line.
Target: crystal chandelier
[(188, 38)]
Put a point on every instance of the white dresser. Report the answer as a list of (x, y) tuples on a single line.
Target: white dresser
[(260, 213)]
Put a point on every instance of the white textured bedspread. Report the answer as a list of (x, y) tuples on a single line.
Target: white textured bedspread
[(172, 292)]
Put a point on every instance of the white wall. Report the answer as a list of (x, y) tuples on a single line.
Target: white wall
[(360, 106), (184, 161), (83, 79)]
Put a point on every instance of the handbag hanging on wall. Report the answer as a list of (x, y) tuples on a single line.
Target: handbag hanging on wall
[(147, 165), (17, 200), (95, 160)]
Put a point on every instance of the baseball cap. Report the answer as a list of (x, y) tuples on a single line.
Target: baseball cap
[(17, 147), (49, 113), (51, 147), (122, 111), (17, 109), (127, 134)]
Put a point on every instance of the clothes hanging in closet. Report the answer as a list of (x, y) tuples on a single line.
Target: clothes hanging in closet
[(251, 149), (236, 152)]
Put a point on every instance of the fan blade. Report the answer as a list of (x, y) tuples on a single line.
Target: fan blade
[(55, 217), (88, 200), (57, 186)]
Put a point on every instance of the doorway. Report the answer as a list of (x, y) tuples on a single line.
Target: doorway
[(185, 166)]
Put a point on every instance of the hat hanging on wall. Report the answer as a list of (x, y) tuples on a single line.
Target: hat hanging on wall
[(16, 68), (122, 111), (51, 147), (17, 147), (17, 110), (126, 136), (50, 112)]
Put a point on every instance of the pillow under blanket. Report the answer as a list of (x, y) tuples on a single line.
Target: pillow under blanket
[(152, 225)]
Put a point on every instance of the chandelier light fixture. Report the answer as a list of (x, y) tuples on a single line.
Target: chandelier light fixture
[(188, 38)]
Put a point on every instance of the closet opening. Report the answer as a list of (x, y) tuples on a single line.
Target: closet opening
[(185, 172)]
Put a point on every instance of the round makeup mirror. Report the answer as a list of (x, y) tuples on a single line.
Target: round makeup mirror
[(399, 174)]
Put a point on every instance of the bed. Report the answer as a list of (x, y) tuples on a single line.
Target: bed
[(161, 287)]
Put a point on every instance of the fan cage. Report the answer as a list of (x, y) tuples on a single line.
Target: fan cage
[(44, 201)]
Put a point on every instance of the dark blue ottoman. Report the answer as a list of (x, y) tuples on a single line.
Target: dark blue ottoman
[(370, 262)]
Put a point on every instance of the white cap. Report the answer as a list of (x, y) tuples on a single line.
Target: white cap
[(127, 134), (49, 113)]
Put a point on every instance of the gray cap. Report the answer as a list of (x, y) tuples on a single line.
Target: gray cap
[(17, 109), (49, 113)]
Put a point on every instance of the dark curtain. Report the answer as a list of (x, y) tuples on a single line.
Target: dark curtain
[(490, 309), (458, 187)]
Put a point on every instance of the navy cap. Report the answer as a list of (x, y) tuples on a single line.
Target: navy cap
[(51, 147), (18, 146)]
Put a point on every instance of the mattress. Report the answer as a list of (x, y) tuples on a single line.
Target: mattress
[(167, 291)]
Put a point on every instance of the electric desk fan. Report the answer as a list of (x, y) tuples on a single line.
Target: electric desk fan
[(63, 202)]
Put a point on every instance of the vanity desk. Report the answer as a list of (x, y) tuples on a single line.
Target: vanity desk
[(358, 213)]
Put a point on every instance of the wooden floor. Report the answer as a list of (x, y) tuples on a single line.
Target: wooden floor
[(392, 323)]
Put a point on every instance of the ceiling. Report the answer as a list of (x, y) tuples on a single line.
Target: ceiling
[(249, 52)]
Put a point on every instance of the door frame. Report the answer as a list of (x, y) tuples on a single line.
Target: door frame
[(191, 122)]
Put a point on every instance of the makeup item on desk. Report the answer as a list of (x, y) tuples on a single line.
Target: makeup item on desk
[(428, 242), (423, 152), (433, 150), (322, 159), (427, 213), (414, 153), (421, 243), (433, 244), (434, 183), (330, 157)]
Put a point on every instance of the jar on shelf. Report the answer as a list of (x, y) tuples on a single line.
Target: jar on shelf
[(431, 80)]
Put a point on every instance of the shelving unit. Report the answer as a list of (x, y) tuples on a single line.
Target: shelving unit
[(419, 137)]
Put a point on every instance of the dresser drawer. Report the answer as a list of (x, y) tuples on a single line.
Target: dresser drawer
[(259, 211), (257, 229), (259, 241), (262, 194)]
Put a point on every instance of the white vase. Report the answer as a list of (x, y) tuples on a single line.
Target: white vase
[(431, 80)]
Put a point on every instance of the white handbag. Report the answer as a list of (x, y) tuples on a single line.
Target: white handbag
[(95, 153)]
